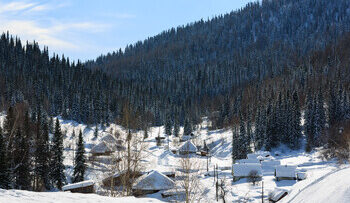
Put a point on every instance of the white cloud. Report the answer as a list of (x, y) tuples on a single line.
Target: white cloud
[(15, 6), (20, 18)]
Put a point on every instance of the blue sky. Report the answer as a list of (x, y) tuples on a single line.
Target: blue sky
[(85, 29)]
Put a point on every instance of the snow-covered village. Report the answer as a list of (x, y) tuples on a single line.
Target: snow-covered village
[(190, 101)]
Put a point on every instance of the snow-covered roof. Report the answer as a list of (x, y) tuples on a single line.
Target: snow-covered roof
[(271, 163), (301, 175), (277, 194), (102, 147), (253, 156), (85, 183), (188, 147), (243, 170), (173, 192), (186, 137), (153, 181), (246, 161), (263, 153), (108, 138), (285, 171)]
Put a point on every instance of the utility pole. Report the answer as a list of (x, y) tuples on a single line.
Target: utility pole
[(262, 191)]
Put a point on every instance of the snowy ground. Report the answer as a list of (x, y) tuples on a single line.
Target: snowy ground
[(15, 196), (162, 159), (333, 187)]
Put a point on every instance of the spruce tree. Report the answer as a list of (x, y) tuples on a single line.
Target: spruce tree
[(168, 125), (21, 173), (176, 128), (43, 156), (242, 139), (295, 136), (187, 127), (25, 165), (321, 117), (80, 166), (236, 145), (96, 132), (57, 167), (309, 123), (4, 167)]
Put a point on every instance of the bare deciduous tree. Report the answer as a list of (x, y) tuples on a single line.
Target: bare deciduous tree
[(189, 178), (253, 177), (128, 164)]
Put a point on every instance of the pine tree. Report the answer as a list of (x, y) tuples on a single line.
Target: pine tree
[(51, 126), (242, 137), (20, 170), (57, 167), (295, 136), (250, 135), (187, 127), (43, 156), (321, 117), (9, 125), (168, 125), (309, 123), (271, 140), (25, 166), (4, 167), (259, 129), (236, 145), (96, 132), (79, 168), (176, 128)]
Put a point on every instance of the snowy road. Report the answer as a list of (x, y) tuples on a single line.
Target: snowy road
[(332, 188)]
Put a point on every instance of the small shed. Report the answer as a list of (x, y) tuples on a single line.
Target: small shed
[(101, 149), (80, 187), (277, 194), (243, 170), (204, 150), (187, 148), (301, 175), (285, 173), (152, 183)]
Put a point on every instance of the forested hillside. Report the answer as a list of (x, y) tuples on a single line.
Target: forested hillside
[(189, 71)]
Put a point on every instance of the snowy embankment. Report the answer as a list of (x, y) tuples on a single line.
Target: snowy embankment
[(333, 187), (15, 196)]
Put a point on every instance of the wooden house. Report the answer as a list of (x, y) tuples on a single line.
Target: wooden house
[(187, 148), (243, 170), (285, 173), (117, 179), (80, 187), (101, 149), (152, 183)]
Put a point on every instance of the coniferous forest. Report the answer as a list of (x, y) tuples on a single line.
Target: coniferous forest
[(273, 72)]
